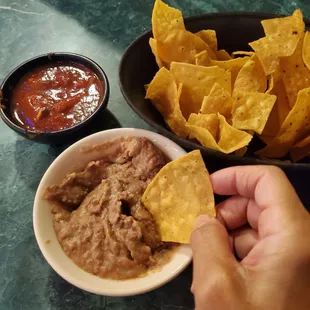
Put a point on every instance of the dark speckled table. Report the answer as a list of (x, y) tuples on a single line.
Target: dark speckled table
[(100, 29)]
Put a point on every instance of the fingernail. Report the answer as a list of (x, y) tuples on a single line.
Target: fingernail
[(201, 220)]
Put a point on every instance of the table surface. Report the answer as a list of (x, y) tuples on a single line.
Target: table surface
[(101, 30)]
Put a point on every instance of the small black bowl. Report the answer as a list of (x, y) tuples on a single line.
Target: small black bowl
[(138, 67), (60, 136)]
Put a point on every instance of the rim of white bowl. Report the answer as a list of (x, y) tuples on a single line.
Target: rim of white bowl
[(184, 250)]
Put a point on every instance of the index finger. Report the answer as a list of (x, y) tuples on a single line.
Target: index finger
[(267, 185)]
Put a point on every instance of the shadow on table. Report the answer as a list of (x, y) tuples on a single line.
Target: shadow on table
[(63, 295), (32, 158), (174, 295)]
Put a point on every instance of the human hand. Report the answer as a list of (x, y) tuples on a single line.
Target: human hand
[(265, 224)]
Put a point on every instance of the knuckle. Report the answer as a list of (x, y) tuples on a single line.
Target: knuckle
[(274, 170)]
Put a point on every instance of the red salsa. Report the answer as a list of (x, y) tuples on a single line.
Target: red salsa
[(56, 96)]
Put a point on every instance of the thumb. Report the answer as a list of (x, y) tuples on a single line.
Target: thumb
[(212, 253)]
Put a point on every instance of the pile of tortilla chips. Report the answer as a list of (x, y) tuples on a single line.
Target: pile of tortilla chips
[(222, 100)]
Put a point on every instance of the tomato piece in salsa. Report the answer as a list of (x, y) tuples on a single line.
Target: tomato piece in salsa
[(55, 97)]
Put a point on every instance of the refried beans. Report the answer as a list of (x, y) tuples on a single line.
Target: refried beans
[(99, 219)]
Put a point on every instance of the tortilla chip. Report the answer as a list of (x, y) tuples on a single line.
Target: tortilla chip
[(174, 42), (280, 109), (282, 37), (218, 100), (283, 24), (241, 53), (296, 75), (232, 139), (208, 36), (207, 121), (301, 149), (251, 110), (306, 50), (204, 136), (304, 142), (296, 125), (197, 83), (165, 20), (202, 59), (180, 87), (233, 65), (270, 82), (163, 93), (222, 55), (251, 77), (182, 46), (176, 120), (178, 194), (153, 45)]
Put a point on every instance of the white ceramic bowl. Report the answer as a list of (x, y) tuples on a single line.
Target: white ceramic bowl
[(70, 160)]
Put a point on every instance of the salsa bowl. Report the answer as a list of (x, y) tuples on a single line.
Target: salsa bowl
[(17, 75)]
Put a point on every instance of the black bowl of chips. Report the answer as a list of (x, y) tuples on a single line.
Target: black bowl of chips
[(233, 32)]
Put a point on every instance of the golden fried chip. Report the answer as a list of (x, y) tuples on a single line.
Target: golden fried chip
[(197, 83), (296, 75), (178, 194), (208, 36), (153, 45), (282, 37), (202, 59), (158, 92), (270, 82), (182, 46), (251, 110), (163, 93), (218, 100), (222, 55), (232, 65), (306, 50), (251, 77), (165, 20), (180, 87), (232, 139), (283, 24), (296, 125), (207, 121), (174, 42), (301, 149), (241, 53), (280, 109)]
